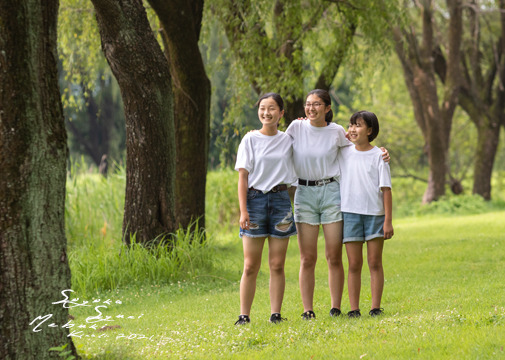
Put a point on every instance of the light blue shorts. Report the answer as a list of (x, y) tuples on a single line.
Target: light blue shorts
[(362, 227), (317, 205)]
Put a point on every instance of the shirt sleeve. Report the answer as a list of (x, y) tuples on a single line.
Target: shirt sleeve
[(291, 129), (245, 158), (341, 139), (384, 173)]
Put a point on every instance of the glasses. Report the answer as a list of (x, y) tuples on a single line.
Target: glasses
[(316, 105)]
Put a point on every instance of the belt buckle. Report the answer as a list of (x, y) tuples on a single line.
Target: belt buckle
[(322, 182), (275, 189)]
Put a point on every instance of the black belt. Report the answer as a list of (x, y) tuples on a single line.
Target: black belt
[(316, 182), (276, 188)]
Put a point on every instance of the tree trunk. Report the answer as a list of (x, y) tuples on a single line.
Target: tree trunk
[(33, 261), (417, 59), (483, 96), (487, 145), (181, 21), (143, 76)]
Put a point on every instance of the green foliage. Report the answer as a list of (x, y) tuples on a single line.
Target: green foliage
[(98, 258), (79, 48), (90, 95), (283, 46), (222, 210), (65, 354), (98, 268)]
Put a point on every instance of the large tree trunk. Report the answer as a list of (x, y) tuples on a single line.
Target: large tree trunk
[(181, 21), (483, 95), (143, 76), (435, 120), (33, 253)]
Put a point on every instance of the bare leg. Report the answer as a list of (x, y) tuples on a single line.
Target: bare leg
[(355, 257), (307, 241), (253, 249), (277, 249), (374, 254), (333, 249)]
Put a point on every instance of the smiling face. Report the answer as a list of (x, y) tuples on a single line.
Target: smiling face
[(316, 109), (358, 132), (269, 112)]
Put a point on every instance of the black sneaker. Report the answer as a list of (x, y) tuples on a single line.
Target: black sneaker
[(354, 314), (376, 312), (242, 320), (335, 312), (308, 315), (276, 318)]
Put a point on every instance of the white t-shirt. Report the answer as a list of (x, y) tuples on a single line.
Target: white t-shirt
[(268, 159), (315, 149), (363, 175)]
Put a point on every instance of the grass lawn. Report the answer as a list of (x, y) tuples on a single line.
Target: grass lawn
[(444, 298)]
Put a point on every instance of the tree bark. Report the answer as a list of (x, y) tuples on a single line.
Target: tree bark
[(482, 96), (33, 261), (143, 76), (434, 118), (181, 22)]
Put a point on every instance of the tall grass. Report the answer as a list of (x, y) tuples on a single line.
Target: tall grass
[(98, 258)]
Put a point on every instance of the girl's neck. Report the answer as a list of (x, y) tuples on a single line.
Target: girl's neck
[(363, 147), (268, 130), (318, 123)]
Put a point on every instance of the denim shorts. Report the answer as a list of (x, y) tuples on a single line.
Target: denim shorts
[(316, 205), (270, 214), (362, 227)]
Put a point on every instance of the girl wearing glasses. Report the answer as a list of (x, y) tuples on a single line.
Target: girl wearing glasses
[(265, 166), (316, 144)]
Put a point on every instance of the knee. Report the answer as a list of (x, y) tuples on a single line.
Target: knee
[(355, 266), (251, 269), (375, 265), (276, 266), (308, 261), (334, 260)]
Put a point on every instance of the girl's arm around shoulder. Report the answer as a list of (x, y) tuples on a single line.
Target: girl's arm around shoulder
[(243, 187), (385, 154), (388, 211)]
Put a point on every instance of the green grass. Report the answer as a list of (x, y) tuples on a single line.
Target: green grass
[(443, 296)]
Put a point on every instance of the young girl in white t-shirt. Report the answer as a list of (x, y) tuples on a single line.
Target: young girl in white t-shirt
[(367, 208), (265, 166)]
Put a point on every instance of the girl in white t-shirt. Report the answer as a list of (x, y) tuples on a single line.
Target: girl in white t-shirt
[(367, 208), (316, 145), (265, 166)]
